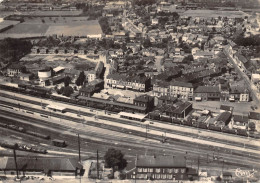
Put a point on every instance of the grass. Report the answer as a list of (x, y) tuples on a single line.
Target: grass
[(67, 26)]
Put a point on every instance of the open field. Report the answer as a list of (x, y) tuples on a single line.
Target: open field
[(46, 26), (214, 13)]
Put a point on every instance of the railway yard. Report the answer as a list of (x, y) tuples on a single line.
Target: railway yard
[(100, 130)]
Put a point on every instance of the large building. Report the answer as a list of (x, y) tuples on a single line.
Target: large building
[(135, 83), (161, 168), (181, 90), (41, 166)]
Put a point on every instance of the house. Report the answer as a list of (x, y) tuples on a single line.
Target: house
[(62, 51), (136, 83), (206, 93), (240, 122), (57, 80), (92, 87), (43, 50), (161, 88), (169, 100), (35, 50), (15, 70), (91, 75), (31, 166), (254, 117), (181, 90), (82, 51), (203, 54), (224, 118), (237, 93), (159, 168), (53, 50), (144, 101)]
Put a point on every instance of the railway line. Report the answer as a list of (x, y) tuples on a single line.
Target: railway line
[(121, 121), (87, 114), (161, 148)]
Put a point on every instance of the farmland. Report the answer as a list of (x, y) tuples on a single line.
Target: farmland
[(214, 13), (45, 26)]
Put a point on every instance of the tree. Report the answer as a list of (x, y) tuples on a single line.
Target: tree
[(80, 80), (67, 91), (147, 43), (115, 159), (66, 81), (251, 126)]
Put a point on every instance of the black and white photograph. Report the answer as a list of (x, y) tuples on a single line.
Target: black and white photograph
[(130, 91)]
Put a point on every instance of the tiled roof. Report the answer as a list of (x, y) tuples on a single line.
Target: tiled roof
[(240, 118), (207, 89), (224, 117), (254, 115), (161, 161), (181, 84), (42, 164)]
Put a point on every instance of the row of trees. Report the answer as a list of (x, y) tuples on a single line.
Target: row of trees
[(105, 25)]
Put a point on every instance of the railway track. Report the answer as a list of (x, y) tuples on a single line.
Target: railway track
[(124, 143), (133, 123)]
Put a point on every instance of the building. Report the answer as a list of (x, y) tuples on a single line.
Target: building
[(91, 76), (205, 93), (237, 93), (240, 122), (169, 100), (161, 88), (144, 101), (226, 108), (41, 166), (182, 90), (135, 83), (255, 118), (224, 118), (15, 70), (160, 168), (92, 87)]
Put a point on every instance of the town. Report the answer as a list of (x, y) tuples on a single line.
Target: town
[(129, 91)]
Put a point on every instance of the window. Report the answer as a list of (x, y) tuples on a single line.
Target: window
[(163, 176), (176, 170), (157, 170), (139, 170), (170, 170), (158, 176), (183, 170), (150, 170), (144, 169)]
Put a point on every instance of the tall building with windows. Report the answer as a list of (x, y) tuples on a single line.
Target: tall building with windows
[(161, 168)]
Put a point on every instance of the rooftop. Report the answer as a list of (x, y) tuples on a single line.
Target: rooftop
[(161, 161)]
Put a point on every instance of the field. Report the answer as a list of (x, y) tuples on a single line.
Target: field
[(45, 26), (214, 13)]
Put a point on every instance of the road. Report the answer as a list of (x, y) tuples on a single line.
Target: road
[(250, 86)]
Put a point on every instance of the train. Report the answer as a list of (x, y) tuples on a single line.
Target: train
[(22, 130), (23, 147), (190, 122)]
